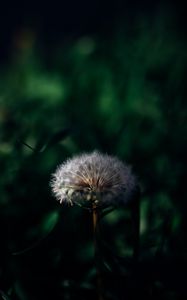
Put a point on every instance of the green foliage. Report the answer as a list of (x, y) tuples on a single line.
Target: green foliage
[(127, 97)]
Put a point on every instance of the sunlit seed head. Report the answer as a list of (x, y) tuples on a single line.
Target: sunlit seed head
[(95, 178)]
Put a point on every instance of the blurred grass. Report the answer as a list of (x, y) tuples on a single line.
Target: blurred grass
[(126, 97)]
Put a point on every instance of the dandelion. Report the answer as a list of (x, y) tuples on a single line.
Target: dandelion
[(93, 178), (97, 180)]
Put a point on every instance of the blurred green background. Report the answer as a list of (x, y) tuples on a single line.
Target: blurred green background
[(80, 77)]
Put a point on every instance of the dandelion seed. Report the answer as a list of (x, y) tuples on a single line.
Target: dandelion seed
[(94, 178)]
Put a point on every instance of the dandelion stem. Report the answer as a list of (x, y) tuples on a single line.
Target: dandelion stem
[(99, 280)]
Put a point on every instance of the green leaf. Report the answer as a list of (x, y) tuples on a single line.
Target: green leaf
[(55, 139), (50, 221), (47, 226)]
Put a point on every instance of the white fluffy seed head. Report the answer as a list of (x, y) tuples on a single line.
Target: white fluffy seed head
[(93, 178)]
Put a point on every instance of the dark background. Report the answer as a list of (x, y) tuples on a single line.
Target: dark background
[(80, 76)]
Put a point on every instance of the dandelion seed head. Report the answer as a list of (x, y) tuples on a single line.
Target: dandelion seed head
[(95, 178)]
